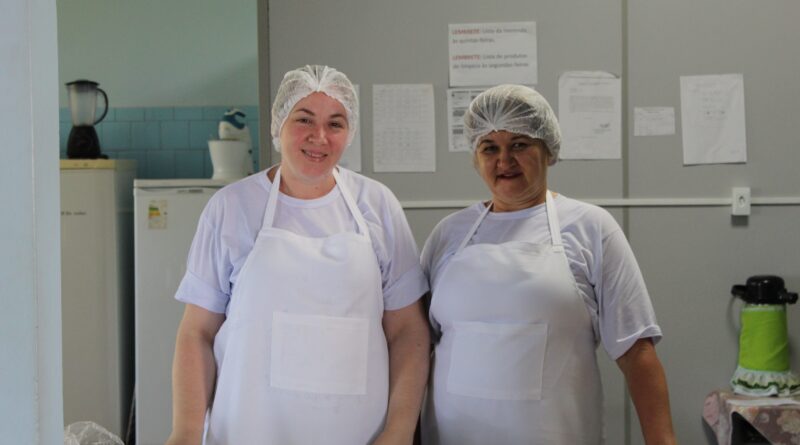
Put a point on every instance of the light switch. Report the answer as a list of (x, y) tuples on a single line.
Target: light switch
[(740, 203)]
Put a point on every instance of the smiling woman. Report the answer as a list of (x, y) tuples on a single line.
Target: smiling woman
[(312, 139), (523, 289), (514, 167), (303, 291)]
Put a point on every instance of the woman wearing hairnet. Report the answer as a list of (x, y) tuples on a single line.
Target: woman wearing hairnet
[(303, 323), (524, 287)]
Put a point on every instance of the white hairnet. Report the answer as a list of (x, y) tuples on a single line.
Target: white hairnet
[(516, 109), (301, 82)]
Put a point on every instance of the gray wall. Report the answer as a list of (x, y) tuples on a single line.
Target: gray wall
[(383, 41), (690, 256)]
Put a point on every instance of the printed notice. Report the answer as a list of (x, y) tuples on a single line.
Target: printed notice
[(712, 119), (653, 121), (458, 100), (404, 133), (589, 110), (351, 158), (493, 53)]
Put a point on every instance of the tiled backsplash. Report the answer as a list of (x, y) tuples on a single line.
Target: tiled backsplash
[(166, 142)]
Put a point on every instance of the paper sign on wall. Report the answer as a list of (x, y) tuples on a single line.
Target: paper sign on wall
[(404, 133), (458, 100), (493, 53), (712, 119), (653, 121), (589, 110)]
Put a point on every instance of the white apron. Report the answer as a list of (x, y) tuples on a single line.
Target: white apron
[(302, 356), (515, 363)]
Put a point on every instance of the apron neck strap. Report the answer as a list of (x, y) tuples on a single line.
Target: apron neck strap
[(351, 204), (474, 227), (552, 224), (272, 202)]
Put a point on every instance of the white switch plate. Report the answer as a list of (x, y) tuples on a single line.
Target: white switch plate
[(740, 203)]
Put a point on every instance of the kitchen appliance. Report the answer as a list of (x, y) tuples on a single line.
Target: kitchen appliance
[(230, 159), (83, 142), (166, 213), (97, 291), (763, 368), (231, 154)]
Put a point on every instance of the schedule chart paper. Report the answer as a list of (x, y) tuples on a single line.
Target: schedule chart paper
[(404, 133)]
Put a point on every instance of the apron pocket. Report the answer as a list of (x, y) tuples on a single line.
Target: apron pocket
[(319, 354), (497, 361)]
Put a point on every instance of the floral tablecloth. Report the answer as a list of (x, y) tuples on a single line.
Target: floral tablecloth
[(776, 418)]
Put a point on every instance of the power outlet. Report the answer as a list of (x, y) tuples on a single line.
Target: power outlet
[(740, 202)]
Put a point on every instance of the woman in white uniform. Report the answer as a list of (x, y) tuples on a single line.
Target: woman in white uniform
[(303, 322), (524, 287)]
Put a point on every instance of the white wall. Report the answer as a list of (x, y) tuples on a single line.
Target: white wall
[(161, 52), (30, 319)]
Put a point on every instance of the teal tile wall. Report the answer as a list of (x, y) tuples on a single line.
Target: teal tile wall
[(166, 142)]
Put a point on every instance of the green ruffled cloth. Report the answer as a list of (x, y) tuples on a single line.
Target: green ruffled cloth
[(761, 383), (764, 353)]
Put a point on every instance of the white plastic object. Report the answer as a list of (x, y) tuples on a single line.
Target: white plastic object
[(89, 433), (231, 159), (740, 201), (232, 126)]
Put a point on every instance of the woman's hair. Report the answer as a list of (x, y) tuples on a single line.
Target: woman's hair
[(516, 109)]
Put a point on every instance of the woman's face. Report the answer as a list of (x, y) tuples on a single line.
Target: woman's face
[(514, 167), (313, 138)]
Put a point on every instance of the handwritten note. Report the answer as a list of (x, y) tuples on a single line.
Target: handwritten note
[(589, 111), (712, 118)]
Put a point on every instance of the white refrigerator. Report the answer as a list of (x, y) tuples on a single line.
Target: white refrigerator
[(166, 213), (97, 290)]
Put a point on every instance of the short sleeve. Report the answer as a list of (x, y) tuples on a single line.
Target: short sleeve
[(206, 282), (403, 279), (626, 312), (429, 250)]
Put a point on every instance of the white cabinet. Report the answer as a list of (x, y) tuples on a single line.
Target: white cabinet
[(97, 290)]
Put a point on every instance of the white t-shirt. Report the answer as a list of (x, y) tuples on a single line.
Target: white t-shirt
[(599, 256), (233, 217)]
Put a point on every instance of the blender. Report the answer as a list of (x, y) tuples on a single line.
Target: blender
[(83, 142)]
